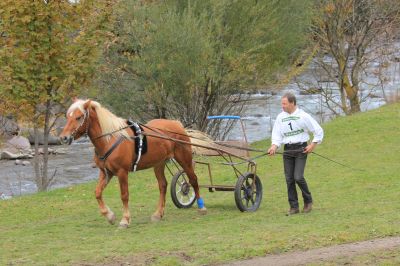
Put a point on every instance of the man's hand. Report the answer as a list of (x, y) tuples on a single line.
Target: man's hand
[(310, 147), (272, 150)]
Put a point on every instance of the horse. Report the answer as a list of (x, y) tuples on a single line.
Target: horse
[(114, 144)]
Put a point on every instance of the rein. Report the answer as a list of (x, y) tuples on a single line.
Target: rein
[(163, 136), (220, 144)]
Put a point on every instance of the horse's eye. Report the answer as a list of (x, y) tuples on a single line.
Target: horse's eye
[(78, 118)]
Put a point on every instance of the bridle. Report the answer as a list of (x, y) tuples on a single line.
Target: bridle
[(85, 117)]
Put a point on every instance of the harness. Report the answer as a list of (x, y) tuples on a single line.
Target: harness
[(140, 146), (110, 150), (85, 117)]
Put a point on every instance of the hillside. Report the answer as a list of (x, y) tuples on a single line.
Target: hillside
[(64, 227)]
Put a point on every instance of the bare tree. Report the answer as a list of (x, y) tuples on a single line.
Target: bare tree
[(351, 35)]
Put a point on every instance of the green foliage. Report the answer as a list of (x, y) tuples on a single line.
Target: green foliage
[(64, 226), (48, 50), (181, 59)]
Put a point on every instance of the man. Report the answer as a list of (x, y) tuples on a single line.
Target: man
[(291, 128)]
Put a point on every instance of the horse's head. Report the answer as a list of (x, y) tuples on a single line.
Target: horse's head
[(77, 121)]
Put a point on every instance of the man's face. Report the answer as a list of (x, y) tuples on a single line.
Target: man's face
[(287, 106)]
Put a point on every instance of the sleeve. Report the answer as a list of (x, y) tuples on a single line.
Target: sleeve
[(276, 137), (315, 128)]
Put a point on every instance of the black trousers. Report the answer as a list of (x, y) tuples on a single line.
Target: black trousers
[(294, 163)]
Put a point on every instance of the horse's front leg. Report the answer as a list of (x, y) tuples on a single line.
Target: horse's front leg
[(123, 184), (101, 185), (162, 185)]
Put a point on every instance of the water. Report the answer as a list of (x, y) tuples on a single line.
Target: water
[(260, 114), (75, 166)]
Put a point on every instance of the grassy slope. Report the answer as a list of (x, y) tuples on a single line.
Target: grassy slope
[(64, 226)]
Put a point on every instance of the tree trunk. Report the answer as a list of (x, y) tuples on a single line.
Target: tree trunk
[(36, 160), (41, 163), (46, 132), (355, 104)]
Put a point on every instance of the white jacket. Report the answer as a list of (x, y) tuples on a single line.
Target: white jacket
[(295, 128)]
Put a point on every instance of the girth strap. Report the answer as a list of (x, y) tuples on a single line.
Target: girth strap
[(138, 136), (113, 147)]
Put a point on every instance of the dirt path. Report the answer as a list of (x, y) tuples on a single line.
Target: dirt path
[(323, 254)]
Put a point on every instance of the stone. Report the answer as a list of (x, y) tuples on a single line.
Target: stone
[(18, 144), (8, 127), (12, 156), (4, 197), (53, 140)]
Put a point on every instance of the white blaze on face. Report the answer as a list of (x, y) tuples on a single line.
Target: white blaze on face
[(76, 105)]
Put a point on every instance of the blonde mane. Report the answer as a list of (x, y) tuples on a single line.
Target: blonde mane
[(107, 120)]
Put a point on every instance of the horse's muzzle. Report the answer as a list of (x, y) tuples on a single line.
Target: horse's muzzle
[(66, 139)]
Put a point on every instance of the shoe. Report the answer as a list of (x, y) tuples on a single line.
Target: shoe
[(307, 207), (292, 211)]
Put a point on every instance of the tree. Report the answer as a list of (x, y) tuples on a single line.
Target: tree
[(48, 51), (189, 59), (352, 33)]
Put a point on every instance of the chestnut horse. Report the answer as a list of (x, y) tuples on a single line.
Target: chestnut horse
[(104, 130)]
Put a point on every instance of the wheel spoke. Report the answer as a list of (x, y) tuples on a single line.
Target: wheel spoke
[(253, 183), (252, 200), (183, 177)]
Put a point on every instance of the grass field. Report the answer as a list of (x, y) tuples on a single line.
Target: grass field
[(64, 227)]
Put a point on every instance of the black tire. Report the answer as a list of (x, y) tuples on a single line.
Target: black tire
[(248, 192), (182, 193)]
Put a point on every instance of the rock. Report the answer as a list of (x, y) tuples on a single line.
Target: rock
[(49, 150), (4, 197), (18, 162), (17, 144), (17, 147), (310, 91), (8, 127), (53, 140), (25, 163), (11, 156)]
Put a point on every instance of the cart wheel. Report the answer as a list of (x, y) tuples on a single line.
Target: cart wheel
[(182, 193), (248, 192)]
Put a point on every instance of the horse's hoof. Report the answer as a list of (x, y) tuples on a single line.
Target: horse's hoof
[(202, 211), (123, 226), (111, 218), (155, 218)]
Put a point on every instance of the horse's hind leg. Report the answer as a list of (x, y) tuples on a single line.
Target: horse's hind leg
[(183, 156), (101, 185), (162, 185)]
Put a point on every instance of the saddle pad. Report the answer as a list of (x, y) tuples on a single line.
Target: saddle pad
[(144, 145)]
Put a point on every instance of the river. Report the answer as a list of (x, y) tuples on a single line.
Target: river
[(74, 166)]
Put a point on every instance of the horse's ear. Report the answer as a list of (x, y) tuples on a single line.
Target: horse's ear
[(86, 105)]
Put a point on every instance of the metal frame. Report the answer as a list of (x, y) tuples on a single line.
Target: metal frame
[(251, 167)]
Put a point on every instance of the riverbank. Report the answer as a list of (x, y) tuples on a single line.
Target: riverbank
[(73, 165), (350, 206)]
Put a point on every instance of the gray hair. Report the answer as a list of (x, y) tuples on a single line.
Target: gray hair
[(290, 97)]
